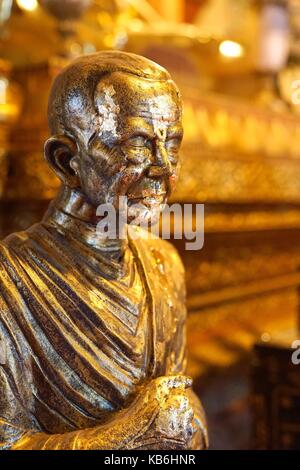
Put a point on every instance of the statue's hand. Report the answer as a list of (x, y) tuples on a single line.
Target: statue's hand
[(165, 408), (175, 418)]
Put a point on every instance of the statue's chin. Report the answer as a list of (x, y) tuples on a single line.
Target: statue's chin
[(144, 215)]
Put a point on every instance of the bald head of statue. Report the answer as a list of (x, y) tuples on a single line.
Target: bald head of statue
[(115, 120)]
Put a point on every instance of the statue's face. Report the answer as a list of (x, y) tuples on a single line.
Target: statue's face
[(134, 148)]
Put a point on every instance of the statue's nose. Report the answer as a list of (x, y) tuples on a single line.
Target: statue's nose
[(161, 165)]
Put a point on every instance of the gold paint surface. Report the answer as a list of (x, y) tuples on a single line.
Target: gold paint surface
[(94, 329)]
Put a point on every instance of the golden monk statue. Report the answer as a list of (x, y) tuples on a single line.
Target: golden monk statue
[(92, 329)]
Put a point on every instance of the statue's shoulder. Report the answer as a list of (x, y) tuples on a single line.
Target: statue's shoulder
[(163, 256), (15, 238), (12, 248), (22, 237), (168, 253)]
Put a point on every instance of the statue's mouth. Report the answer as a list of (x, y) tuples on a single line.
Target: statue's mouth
[(148, 201), (147, 191)]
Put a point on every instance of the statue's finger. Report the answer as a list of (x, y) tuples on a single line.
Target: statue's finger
[(165, 386), (180, 381)]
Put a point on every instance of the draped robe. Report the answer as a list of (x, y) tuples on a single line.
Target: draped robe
[(76, 337)]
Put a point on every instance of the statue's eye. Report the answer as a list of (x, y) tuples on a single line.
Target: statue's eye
[(173, 146), (138, 141), (137, 148)]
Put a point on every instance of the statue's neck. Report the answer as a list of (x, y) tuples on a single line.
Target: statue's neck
[(72, 211)]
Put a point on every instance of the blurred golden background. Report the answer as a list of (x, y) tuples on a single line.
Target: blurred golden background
[(237, 63)]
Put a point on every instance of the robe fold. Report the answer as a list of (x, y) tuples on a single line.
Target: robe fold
[(76, 338)]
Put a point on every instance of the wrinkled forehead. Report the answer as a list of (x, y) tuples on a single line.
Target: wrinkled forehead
[(130, 95)]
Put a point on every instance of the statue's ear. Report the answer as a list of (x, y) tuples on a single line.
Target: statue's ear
[(59, 151)]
